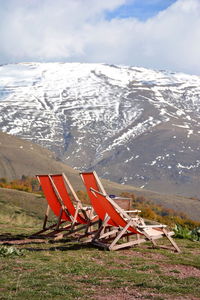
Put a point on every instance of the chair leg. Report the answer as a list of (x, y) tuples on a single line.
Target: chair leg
[(102, 226), (59, 219), (119, 235), (171, 241), (46, 217)]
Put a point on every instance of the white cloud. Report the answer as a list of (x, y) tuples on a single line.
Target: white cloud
[(77, 30)]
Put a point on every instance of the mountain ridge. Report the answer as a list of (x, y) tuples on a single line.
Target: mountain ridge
[(133, 125)]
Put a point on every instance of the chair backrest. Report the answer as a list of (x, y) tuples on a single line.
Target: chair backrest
[(102, 204), (91, 180), (119, 218), (60, 183), (51, 196)]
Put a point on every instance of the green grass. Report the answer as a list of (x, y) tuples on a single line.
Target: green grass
[(44, 269), (67, 270)]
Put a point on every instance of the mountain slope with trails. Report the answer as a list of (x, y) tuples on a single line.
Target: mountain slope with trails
[(19, 157), (133, 125)]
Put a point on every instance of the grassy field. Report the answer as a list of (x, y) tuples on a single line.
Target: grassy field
[(45, 269)]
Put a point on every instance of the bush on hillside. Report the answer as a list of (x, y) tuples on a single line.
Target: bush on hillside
[(184, 232), (26, 184)]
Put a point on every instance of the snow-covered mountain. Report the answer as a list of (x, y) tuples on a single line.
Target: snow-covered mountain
[(133, 125)]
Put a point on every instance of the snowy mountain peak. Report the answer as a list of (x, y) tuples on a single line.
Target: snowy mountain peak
[(133, 125)]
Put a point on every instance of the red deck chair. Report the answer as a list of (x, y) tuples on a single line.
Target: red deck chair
[(79, 215), (55, 204), (128, 226), (91, 180), (124, 225)]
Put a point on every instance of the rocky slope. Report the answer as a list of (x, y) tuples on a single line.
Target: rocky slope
[(133, 125)]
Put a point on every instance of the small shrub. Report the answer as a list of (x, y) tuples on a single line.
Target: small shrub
[(10, 251), (184, 232), (196, 234)]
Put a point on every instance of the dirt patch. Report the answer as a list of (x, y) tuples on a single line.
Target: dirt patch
[(136, 294), (157, 256), (196, 251), (180, 271), (123, 294), (21, 242), (98, 261)]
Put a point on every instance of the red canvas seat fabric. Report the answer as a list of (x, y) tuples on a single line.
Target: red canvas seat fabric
[(52, 197), (58, 192), (60, 185), (89, 181), (112, 212)]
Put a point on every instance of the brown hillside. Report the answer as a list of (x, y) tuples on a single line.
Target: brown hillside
[(19, 157)]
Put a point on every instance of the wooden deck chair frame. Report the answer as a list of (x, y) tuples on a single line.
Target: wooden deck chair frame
[(54, 203), (93, 183), (91, 179), (56, 193), (127, 226), (82, 217)]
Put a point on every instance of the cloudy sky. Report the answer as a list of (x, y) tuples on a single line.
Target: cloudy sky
[(159, 34)]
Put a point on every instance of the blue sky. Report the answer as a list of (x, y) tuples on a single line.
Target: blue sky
[(140, 9), (158, 34)]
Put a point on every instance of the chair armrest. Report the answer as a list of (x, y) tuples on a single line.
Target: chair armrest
[(152, 226), (87, 208), (120, 198), (132, 211)]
